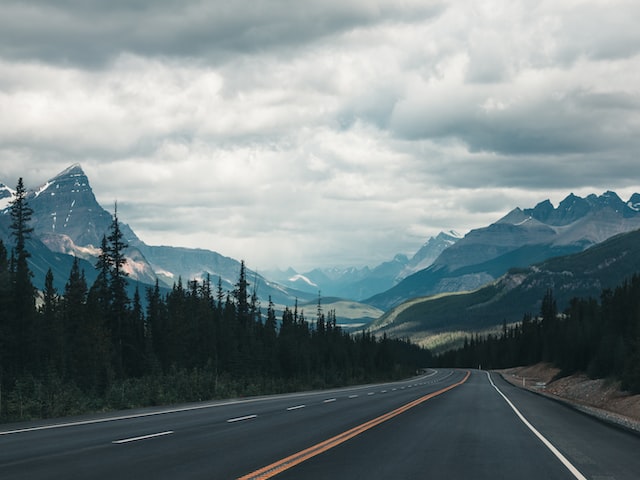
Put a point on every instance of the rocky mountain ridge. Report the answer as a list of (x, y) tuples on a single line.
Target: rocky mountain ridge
[(520, 238), (68, 222), (519, 291)]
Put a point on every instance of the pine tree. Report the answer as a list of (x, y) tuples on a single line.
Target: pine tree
[(99, 304), (549, 314), (23, 294), (6, 312), (20, 212), (79, 342), (270, 336), (156, 335), (320, 319), (48, 328), (120, 332), (134, 347), (220, 295), (242, 297), (100, 294)]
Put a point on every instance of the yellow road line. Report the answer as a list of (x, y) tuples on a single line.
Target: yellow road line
[(297, 458)]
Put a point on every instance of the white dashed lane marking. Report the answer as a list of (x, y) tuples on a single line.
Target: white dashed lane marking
[(297, 407), (143, 437), (241, 419)]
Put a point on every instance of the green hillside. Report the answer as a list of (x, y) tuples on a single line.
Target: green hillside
[(350, 315), (518, 292)]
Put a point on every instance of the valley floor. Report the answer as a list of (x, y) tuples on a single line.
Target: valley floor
[(601, 398)]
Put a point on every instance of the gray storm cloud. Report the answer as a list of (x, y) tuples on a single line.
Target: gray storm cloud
[(320, 133)]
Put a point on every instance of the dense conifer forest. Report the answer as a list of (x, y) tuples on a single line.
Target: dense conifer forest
[(601, 338), (93, 347), (97, 347)]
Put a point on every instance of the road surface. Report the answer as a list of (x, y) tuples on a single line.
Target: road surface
[(445, 424)]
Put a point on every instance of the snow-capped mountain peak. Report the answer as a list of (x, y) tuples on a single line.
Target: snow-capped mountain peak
[(6, 196), (429, 252), (66, 205)]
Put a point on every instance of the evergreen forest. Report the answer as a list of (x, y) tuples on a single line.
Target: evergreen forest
[(96, 347), (598, 337), (100, 347)]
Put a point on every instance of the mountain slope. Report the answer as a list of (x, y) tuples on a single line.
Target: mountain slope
[(66, 206), (350, 315), (429, 252), (520, 238), (520, 291), (42, 259), (69, 222)]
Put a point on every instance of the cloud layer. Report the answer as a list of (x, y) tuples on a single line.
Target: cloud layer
[(321, 133)]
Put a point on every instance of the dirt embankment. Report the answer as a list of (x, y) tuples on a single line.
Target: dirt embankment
[(602, 398)]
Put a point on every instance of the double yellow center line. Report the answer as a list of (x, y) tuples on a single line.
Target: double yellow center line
[(297, 458)]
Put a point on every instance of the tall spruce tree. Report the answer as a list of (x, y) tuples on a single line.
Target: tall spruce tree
[(550, 326), (156, 334), (48, 330), (20, 212), (79, 343), (5, 322), (134, 351), (241, 295), (122, 333), (99, 304), (23, 312)]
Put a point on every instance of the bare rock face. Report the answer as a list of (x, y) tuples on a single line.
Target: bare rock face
[(69, 222), (65, 205)]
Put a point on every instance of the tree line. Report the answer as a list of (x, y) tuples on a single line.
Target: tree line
[(93, 347), (599, 337)]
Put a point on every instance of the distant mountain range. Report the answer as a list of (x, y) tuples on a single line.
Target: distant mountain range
[(68, 222), (519, 291), (519, 239), (360, 283)]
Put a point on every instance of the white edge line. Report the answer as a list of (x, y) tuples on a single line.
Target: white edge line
[(240, 419), (125, 417), (576, 473), (143, 437), (174, 410)]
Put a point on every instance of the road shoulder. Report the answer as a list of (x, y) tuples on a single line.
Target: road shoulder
[(600, 398)]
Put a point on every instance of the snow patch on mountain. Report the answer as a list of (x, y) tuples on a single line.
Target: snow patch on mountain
[(528, 219), (6, 196), (301, 278), (43, 188)]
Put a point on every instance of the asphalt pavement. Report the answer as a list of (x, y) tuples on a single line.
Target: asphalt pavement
[(445, 424)]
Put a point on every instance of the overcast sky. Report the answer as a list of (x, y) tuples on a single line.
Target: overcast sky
[(321, 132)]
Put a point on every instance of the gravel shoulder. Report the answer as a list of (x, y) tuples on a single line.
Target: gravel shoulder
[(601, 398)]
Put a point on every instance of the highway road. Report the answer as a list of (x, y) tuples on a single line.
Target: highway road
[(445, 424)]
